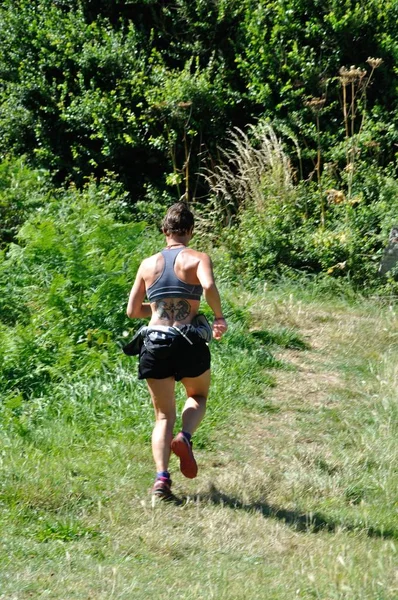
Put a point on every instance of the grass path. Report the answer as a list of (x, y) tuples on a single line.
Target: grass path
[(295, 500)]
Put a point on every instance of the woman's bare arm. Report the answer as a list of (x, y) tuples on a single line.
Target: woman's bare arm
[(206, 277), (136, 307)]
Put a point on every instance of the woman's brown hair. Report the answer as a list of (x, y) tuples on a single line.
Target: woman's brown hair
[(178, 220)]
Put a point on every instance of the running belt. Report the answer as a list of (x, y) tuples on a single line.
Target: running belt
[(167, 285)]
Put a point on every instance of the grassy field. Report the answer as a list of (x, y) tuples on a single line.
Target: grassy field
[(297, 490)]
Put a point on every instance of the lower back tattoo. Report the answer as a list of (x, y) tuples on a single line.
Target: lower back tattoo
[(172, 310)]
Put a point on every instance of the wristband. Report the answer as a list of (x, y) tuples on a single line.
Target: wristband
[(220, 319)]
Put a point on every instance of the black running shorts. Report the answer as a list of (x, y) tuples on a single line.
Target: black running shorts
[(182, 360)]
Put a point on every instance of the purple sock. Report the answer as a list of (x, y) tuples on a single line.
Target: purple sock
[(187, 435), (163, 475)]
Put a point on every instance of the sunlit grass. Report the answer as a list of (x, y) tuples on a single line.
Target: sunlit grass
[(296, 494)]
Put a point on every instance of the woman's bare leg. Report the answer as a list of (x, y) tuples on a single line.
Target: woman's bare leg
[(163, 399), (194, 410), (197, 390)]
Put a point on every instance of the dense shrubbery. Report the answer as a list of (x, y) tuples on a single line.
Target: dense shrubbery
[(150, 91), (277, 228), (147, 90), (66, 284), (82, 96), (22, 190)]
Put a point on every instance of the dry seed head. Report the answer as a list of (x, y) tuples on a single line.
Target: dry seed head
[(355, 200), (350, 75), (374, 62), (340, 266), (315, 104), (372, 144), (335, 196)]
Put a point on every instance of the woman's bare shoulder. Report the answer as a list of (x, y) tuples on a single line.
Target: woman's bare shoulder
[(151, 260), (150, 264), (197, 254)]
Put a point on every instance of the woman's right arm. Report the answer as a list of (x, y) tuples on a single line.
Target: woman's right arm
[(136, 307)]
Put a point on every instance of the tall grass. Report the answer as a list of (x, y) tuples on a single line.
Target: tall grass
[(253, 167)]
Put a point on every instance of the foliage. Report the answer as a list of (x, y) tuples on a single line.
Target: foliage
[(162, 102), (83, 96), (278, 228), (22, 190), (294, 50), (67, 282), (147, 90)]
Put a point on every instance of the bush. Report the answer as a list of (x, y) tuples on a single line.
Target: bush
[(278, 228), (22, 190), (69, 279)]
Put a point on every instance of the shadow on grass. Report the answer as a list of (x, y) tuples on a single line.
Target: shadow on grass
[(304, 522)]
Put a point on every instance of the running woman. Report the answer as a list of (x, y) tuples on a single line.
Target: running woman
[(173, 281)]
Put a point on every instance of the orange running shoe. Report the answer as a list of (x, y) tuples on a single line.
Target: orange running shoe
[(183, 449)]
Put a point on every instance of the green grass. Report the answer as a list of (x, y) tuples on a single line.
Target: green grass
[(297, 490)]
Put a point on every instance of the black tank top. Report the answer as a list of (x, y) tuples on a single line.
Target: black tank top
[(167, 285)]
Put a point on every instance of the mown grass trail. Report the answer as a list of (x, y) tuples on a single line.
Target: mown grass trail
[(297, 490)]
